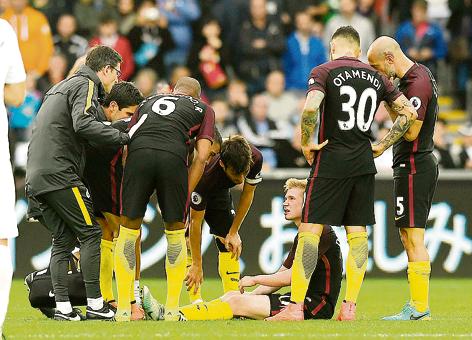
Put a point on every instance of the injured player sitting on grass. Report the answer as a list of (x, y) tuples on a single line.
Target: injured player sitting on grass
[(263, 302)]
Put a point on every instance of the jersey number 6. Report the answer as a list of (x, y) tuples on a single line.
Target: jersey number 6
[(164, 106)]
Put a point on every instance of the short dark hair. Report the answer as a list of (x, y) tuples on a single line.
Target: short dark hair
[(217, 138), (236, 154), (107, 18), (101, 56), (420, 3), (125, 94), (347, 32)]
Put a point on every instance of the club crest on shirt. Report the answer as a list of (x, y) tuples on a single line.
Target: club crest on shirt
[(416, 102), (196, 198)]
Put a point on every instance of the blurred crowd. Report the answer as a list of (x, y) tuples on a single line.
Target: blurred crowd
[(252, 57)]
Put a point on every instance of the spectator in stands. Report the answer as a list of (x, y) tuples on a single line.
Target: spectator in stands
[(178, 72), (150, 38), (88, 12), (316, 9), (465, 155), (238, 99), (224, 119), (67, 42), (261, 45), (258, 129), (422, 41), (53, 9), (348, 16), (289, 154), (21, 117), (460, 30), (56, 73), (304, 52), (180, 14), (442, 147), (281, 102), (208, 57), (366, 8), (34, 36), (145, 81), (127, 14), (108, 35)]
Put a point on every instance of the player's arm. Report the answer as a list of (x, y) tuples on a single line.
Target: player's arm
[(15, 78), (84, 122), (245, 202), (14, 94), (275, 281), (201, 154), (414, 129), (261, 289), (309, 123), (406, 115), (195, 274)]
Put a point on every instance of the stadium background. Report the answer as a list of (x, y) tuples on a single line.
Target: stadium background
[(253, 63)]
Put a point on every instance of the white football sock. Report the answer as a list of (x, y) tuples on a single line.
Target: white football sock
[(64, 307), (95, 304), (6, 273)]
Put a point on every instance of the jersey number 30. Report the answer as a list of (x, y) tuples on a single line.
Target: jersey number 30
[(164, 106), (359, 116)]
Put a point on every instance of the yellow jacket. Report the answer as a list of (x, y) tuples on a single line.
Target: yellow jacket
[(34, 38)]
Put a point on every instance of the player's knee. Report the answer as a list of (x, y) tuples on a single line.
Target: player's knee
[(412, 239), (236, 303), (131, 223), (172, 226)]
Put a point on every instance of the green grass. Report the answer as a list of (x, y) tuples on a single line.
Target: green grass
[(450, 305)]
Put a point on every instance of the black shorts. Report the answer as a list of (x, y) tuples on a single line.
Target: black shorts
[(340, 201), (219, 214), (413, 195), (104, 183), (147, 170), (323, 289)]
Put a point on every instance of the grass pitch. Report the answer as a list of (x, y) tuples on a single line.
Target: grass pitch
[(450, 305)]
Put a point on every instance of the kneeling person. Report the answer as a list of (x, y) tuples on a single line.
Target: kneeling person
[(263, 302)]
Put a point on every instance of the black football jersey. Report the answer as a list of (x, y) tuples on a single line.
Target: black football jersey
[(353, 91), (168, 122), (214, 181), (420, 88)]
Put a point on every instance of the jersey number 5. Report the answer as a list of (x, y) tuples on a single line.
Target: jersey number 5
[(164, 106), (359, 116)]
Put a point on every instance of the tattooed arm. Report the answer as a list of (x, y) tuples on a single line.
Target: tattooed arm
[(310, 115), (406, 115)]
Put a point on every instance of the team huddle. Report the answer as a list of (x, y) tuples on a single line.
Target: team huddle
[(99, 150)]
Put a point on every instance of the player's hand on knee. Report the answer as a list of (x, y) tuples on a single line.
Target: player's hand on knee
[(194, 278), (309, 150), (246, 281), (234, 244)]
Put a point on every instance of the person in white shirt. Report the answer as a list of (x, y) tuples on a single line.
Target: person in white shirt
[(12, 92), (349, 17)]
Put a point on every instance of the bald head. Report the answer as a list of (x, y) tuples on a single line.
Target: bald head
[(188, 86), (381, 46), (386, 56)]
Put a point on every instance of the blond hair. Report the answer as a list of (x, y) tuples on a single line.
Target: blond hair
[(292, 183)]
